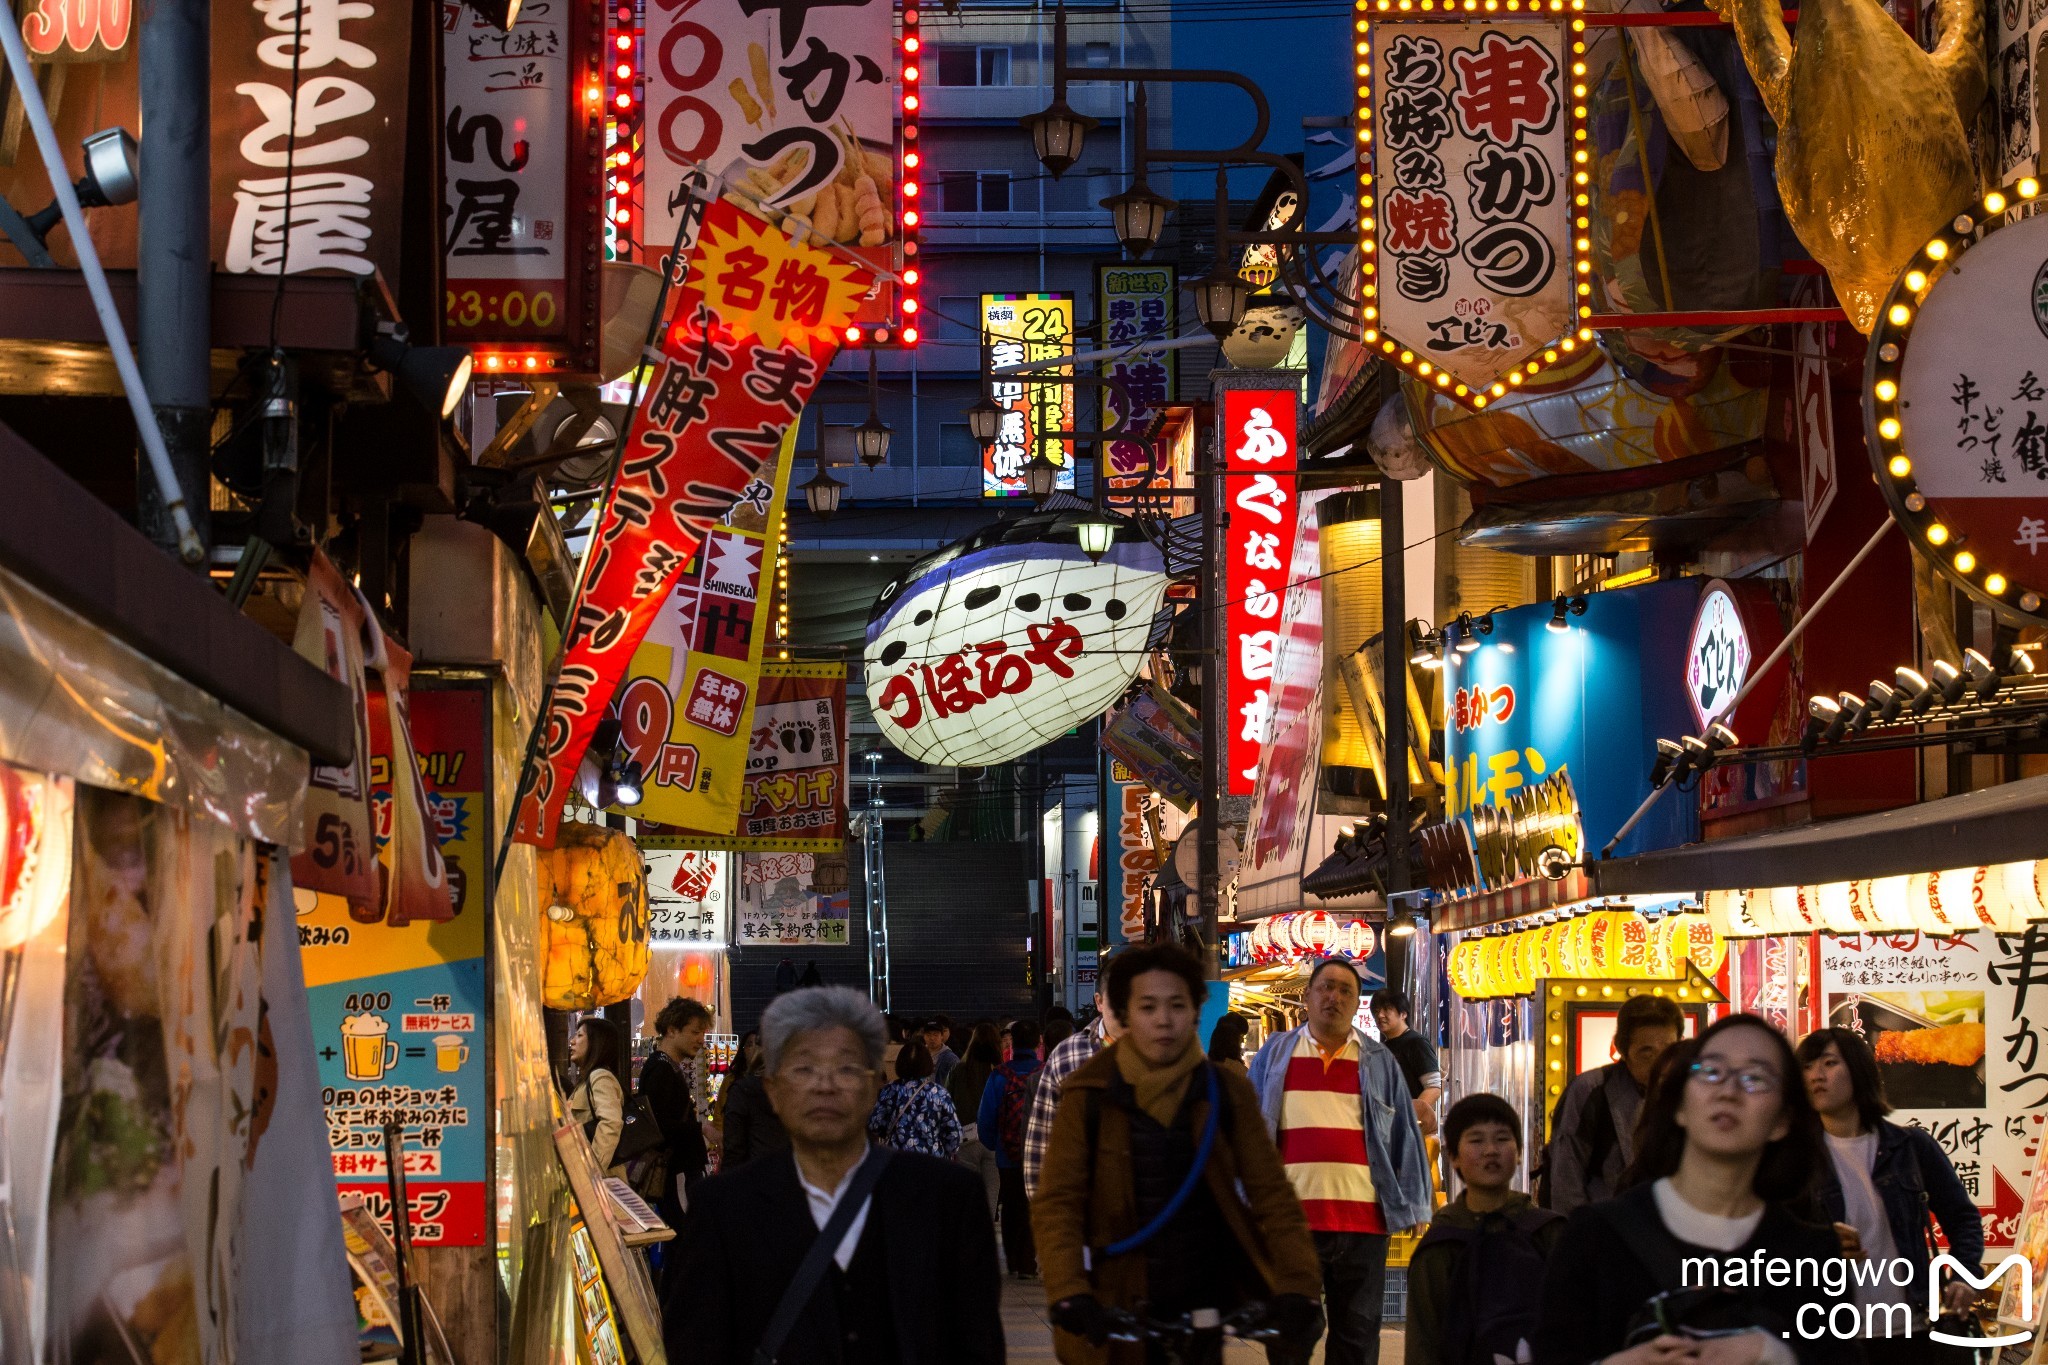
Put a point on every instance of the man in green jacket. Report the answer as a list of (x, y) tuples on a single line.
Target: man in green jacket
[(1475, 1282)]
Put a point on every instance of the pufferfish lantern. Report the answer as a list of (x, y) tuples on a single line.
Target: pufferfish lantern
[(998, 643), (593, 896)]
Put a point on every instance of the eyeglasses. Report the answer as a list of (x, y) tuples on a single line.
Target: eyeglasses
[(843, 1077), (1751, 1081)]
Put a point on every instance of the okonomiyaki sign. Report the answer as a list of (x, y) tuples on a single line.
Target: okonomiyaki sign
[(1472, 171)]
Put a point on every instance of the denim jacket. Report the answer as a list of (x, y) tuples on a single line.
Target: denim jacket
[(1913, 1177), (1393, 1142)]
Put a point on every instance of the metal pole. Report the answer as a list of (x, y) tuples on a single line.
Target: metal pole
[(173, 283), (1209, 888), (1394, 680)]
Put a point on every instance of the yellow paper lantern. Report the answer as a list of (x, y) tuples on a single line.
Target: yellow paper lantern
[(1455, 968), (593, 896), (1703, 944)]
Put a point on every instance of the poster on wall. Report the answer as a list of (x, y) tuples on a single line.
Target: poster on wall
[(1135, 303), (1472, 173), (399, 1010), (1954, 1024), (341, 178), (1021, 329), (686, 712), (780, 904), (1259, 443), (1134, 856), (686, 897), (520, 176)]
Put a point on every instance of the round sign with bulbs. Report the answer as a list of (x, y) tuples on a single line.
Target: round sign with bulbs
[(1956, 400)]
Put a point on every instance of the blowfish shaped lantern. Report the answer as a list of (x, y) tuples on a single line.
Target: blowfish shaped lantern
[(1873, 156)]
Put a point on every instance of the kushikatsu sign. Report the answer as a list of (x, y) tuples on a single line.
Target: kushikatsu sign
[(1956, 401), (1472, 182)]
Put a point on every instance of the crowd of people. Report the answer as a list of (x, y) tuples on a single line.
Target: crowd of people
[(1171, 1191)]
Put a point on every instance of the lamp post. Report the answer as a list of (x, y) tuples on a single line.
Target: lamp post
[(871, 437), (821, 492)]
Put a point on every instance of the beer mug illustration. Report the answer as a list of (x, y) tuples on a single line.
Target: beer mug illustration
[(450, 1052), (366, 1048)]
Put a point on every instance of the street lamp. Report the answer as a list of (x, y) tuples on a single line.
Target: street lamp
[(1220, 299), (1139, 214), (983, 419), (1057, 132), (821, 493), (1096, 537), (1039, 476), (871, 438)]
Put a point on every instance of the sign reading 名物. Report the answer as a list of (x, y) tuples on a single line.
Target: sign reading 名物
[(1470, 169), (756, 323), (1135, 304), (1019, 329), (999, 643), (1716, 657), (793, 103), (1959, 409), (399, 1011), (328, 160), (521, 180), (1258, 441)]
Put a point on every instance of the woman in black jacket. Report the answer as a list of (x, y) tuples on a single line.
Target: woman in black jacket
[(1701, 1259)]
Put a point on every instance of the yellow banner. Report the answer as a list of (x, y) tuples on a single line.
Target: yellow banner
[(687, 709)]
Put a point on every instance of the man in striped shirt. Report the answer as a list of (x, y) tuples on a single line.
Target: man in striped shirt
[(1338, 1107)]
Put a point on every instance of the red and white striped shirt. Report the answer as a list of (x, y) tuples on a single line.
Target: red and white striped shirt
[(1322, 1139)]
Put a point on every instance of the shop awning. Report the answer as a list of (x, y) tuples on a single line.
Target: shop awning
[(1998, 825)]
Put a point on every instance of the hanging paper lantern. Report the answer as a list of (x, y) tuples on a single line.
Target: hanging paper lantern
[(1458, 968), (593, 895), (1993, 899), (1728, 912), (1703, 945), (1518, 964), (2023, 894), (1002, 642), (1941, 901), (1890, 907)]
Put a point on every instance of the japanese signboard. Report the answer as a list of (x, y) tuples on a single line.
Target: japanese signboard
[(794, 104), (1952, 1021), (1717, 657), (780, 904), (399, 1010), (1020, 329), (1531, 703), (1135, 303), (521, 179), (1259, 443), (756, 323), (999, 643), (795, 797), (687, 901), (687, 708), (1283, 813), (1135, 856), (77, 30), (1471, 169), (330, 158), (1959, 409)]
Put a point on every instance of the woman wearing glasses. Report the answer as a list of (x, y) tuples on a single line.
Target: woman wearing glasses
[(1707, 1256)]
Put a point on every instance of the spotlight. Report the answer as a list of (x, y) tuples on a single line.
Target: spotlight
[(1888, 701), (1563, 606), (1855, 711), (2022, 665), (1401, 928), (1720, 737), (435, 375), (109, 179), (1917, 690), (1670, 753), (1949, 681), (627, 784), (1428, 646), (1469, 630), (1824, 723)]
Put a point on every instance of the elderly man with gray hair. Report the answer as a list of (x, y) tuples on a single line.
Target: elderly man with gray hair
[(840, 1253)]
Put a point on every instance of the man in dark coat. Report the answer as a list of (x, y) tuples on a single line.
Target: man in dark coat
[(914, 1280)]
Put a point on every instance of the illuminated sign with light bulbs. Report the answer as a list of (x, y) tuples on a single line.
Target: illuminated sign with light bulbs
[(795, 108), (1956, 400), (1473, 188)]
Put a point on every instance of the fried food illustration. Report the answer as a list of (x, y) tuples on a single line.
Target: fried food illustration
[(738, 90), (1955, 1044), (852, 208)]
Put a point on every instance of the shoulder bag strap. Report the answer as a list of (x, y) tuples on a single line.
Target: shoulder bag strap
[(812, 1269)]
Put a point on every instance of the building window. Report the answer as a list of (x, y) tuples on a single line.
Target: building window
[(961, 65), (974, 191), (957, 447), (1095, 54)]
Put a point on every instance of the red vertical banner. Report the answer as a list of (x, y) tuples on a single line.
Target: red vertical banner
[(1260, 456), (756, 322)]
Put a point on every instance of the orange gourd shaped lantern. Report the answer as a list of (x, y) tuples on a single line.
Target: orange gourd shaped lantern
[(593, 896)]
